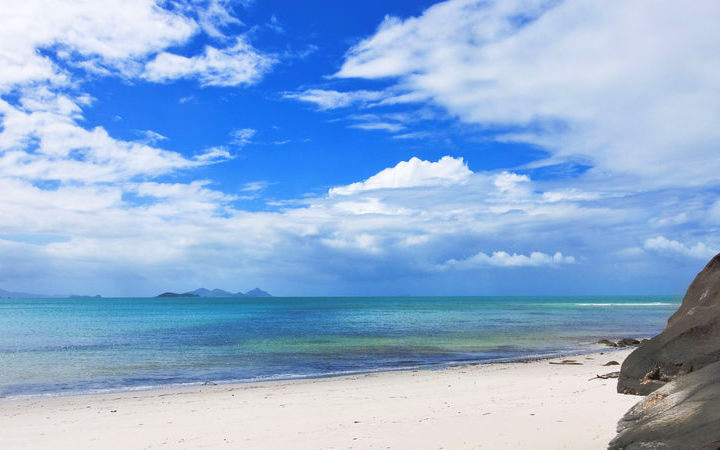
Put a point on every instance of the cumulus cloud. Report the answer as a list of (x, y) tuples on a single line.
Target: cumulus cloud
[(412, 173), (117, 38), (116, 225), (661, 244), (237, 65), (625, 86), (416, 220), (104, 34), (41, 136), (504, 259), (101, 195)]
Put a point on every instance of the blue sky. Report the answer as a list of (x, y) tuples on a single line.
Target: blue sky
[(339, 148)]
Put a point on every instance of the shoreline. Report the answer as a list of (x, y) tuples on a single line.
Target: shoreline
[(596, 348), (498, 405)]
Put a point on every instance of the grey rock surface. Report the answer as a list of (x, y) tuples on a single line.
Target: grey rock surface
[(690, 341), (683, 414)]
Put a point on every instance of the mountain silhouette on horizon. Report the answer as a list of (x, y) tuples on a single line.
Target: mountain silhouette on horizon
[(218, 293)]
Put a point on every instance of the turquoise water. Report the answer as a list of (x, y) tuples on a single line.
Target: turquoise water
[(50, 346)]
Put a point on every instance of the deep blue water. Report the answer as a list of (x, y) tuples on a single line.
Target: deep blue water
[(52, 346)]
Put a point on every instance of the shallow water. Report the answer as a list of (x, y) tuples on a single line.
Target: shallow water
[(50, 346)]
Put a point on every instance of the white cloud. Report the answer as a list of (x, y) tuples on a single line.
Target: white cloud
[(66, 151), (95, 192), (570, 194), (661, 244), (416, 220), (105, 33), (331, 99), (504, 259), (275, 25), (412, 173), (114, 221), (669, 220), (238, 65), (216, 16), (508, 181), (413, 135), (713, 214), (391, 122), (41, 136), (254, 186), (627, 86), (384, 126), (370, 205), (214, 154), (152, 137), (115, 37), (243, 136)]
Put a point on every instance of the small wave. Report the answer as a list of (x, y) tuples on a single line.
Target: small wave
[(628, 304)]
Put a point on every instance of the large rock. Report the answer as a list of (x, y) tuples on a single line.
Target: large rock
[(690, 341), (683, 414)]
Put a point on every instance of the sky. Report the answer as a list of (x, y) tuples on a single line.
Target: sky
[(515, 147)]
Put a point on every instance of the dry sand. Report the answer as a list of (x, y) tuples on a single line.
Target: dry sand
[(534, 405)]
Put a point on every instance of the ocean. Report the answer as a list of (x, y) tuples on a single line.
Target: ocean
[(56, 346)]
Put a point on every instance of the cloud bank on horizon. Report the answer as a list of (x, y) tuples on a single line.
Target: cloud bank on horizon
[(509, 147)]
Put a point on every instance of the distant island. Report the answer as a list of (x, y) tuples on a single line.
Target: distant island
[(202, 292), (175, 294), (215, 293)]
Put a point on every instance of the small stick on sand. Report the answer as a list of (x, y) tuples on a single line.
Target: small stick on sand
[(606, 376), (567, 362)]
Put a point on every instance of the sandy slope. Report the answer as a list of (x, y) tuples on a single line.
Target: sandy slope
[(534, 405)]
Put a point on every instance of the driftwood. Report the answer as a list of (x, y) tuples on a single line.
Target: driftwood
[(606, 376)]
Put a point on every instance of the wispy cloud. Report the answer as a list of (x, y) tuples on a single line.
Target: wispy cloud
[(621, 86), (112, 36), (254, 186), (237, 65), (418, 219), (152, 137), (215, 16), (330, 99), (413, 135), (609, 84), (242, 136), (275, 25), (384, 126)]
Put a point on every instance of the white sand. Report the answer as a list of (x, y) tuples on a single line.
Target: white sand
[(500, 406)]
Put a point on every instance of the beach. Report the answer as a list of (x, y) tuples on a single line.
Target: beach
[(537, 404)]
